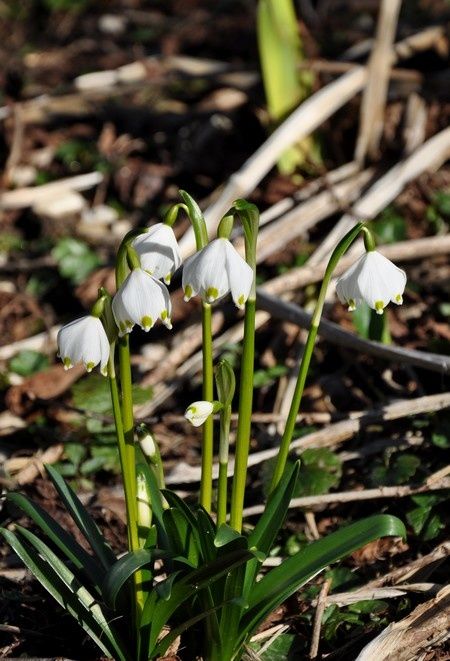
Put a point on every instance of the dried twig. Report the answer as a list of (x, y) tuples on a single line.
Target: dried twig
[(337, 335), (328, 437), (375, 93), (428, 624), (403, 251), (320, 608), (301, 123), (352, 496), (45, 342), (25, 197), (428, 157)]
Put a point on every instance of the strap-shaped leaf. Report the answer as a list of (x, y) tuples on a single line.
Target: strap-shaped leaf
[(156, 611), (63, 586), (122, 570), (207, 531), (62, 539), (83, 520), (183, 538), (271, 520), (264, 533), (156, 501), (284, 580)]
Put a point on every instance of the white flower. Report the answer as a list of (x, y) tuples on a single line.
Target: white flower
[(158, 251), (374, 279), (198, 412), (84, 341), (215, 271), (141, 300)]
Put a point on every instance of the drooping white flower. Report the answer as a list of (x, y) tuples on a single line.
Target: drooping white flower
[(142, 300), (158, 251), (198, 412), (374, 279), (216, 270), (84, 341)]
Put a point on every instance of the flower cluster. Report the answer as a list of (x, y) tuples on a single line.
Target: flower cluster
[(143, 298)]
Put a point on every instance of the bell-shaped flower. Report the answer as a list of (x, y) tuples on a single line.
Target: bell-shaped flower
[(84, 341), (374, 279), (198, 412), (216, 270), (158, 251), (142, 300)]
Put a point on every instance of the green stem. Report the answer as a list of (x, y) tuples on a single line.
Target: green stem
[(129, 483), (222, 487), (245, 415), (208, 395), (283, 452)]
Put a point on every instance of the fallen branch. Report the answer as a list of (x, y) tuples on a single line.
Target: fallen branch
[(352, 496), (337, 335), (301, 123), (330, 436), (426, 626)]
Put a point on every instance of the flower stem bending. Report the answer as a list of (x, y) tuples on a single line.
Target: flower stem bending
[(249, 217), (283, 452)]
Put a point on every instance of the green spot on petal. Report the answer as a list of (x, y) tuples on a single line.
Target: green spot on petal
[(146, 323), (90, 366), (188, 292), (379, 307), (241, 300), (164, 315), (211, 294), (399, 299), (67, 363), (351, 304)]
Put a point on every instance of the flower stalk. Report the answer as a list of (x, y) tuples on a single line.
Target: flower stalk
[(283, 452), (249, 216)]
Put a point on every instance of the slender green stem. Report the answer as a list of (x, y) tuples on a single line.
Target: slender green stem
[(245, 415), (115, 398), (208, 395), (283, 452), (249, 216), (222, 487)]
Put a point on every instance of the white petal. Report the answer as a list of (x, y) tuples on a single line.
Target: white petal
[(141, 300), (347, 285), (198, 412), (158, 251), (211, 271), (84, 341), (190, 282), (380, 281), (240, 276)]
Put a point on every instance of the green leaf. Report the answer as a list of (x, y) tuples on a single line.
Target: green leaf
[(123, 569), (75, 259), (268, 376), (65, 542), (320, 471), (93, 394), (281, 582), (425, 522), (390, 227), (396, 470), (157, 611), (286, 647), (59, 581), (28, 362), (82, 519), (183, 537), (370, 325)]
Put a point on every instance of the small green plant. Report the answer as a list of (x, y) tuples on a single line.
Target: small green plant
[(190, 570)]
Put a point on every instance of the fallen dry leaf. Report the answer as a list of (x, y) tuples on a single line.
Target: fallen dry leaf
[(45, 385)]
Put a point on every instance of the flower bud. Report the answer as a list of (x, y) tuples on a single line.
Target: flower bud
[(198, 412)]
